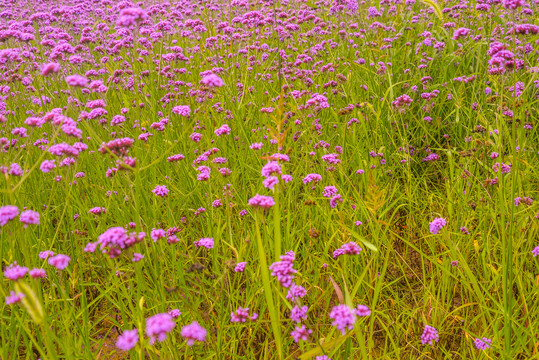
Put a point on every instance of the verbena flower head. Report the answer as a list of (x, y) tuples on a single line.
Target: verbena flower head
[(59, 261), (76, 81), (299, 313), (350, 248), (483, 343), (429, 335), (127, 340), (116, 239), (160, 190), (193, 332), (271, 168), (204, 242), (242, 315), (183, 110), (261, 201), (436, 225), (284, 270), (513, 4), (14, 298), (295, 292), (38, 273), (15, 272), (158, 326), (240, 267), (8, 213), (301, 333), (212, 80), (343, 317)]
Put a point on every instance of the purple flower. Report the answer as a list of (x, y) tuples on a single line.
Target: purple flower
[(461, 32), (299, 313), (204, 242), (301, 333), (50, 68), (240, 267), (97, 210), (183, 110), (76, 80), (362, 310), (330, 191), (127, 340), (312, 177), (212, 80), (264, 202), (116, 239), (45, 254), (15, 272), (38, 273), (429, 335), (158, 326), (350, 248), (174, 313), (436, 225), (47, 165), (270, 182), (7, 213), (271, 168), (241, 315), (223, 130), (482, 344), (343, 318), (137, 257), (157, 234), (513, 4), (14, 298), (160, 190), (283, 269), (295, 292), (59, 261), (193, 332), (535, 251)]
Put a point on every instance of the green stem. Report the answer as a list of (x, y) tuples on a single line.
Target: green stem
[(277, 225), (274, 315)]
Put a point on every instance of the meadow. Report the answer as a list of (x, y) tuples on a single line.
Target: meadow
[(269, 179)]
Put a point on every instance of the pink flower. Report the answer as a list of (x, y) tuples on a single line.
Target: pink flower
[(160, 190), (7, 213), (264, 202), (193, 332), (183, 110), (212, 80), (240, 267), (15, 272), (158, 326), (59, 261), (127, 340), (14, 298), (77, 81)]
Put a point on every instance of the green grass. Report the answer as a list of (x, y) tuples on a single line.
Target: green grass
[(404, 273)]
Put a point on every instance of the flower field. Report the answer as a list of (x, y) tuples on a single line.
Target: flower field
[(269, 179)]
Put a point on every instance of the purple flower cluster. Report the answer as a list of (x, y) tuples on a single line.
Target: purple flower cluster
[(436, 225), (283, 270), (158, 326), (193, 332), (113, 241), (429, 335), (350, 248)]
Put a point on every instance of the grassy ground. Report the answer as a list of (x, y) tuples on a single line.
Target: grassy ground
[(274, 58)]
